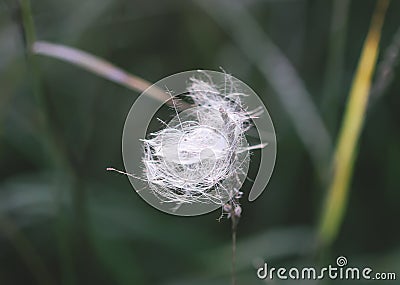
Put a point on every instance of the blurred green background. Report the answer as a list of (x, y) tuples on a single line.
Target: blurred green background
[(65, 220)]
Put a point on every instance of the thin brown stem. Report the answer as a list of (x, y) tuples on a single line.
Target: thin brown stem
[(235, 221), (233, 253), (98, 66)]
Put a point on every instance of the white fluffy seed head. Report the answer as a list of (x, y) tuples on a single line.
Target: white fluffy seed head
[(201, 155)]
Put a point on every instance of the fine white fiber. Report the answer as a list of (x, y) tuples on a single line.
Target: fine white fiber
[(201, 155)]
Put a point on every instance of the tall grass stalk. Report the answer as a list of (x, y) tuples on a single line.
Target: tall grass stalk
[(333, 79), (56, 159), (346, 149)]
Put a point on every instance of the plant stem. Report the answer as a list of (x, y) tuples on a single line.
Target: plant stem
[(55, 157), (98, 66), (386, 69), (335, 62), (104, 69), (27, 22), (54, 154), (235, 221), (234, 230), (353, 120)]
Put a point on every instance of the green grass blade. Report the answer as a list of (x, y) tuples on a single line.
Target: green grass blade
[(353, 120)]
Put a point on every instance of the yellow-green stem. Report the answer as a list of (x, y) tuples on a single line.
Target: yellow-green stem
[(345, 153)]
